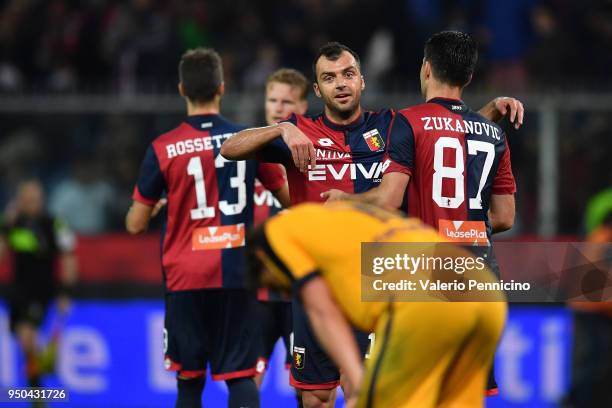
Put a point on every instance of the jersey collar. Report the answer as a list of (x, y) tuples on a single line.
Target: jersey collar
[(453, 105), (201, 122), (351, 126)]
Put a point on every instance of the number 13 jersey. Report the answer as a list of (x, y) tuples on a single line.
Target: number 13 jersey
[(456, 159), (210, 202)]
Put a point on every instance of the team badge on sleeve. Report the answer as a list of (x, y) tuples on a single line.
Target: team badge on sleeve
[(299, 354), (374, 140)]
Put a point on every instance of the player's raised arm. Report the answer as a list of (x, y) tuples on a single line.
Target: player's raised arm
[(244, 144), (501, 106), (247, 142)]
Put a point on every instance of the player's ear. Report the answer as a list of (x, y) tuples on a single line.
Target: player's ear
[(181, 90), (426, 68), (362, 83), (221, 89), (317, 91), (468, 81), (302, 107)]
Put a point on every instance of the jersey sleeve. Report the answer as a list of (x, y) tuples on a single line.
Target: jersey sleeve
[(277, 150), (504, 179), (151, 184), (284, 255), (272, 176), (400, 152)]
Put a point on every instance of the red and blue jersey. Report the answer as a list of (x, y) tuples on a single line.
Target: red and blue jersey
[(349, 157), (456, 159), (266, 206), (210, 202)]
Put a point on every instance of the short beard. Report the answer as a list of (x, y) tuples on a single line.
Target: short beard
[(344, 114)]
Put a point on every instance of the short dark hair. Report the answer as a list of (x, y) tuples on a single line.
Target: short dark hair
[(332, 51), (453, 56), (201, 73), (292, 78)]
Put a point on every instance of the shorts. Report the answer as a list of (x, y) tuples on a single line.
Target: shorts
[(275, 319), (312, 368), (435, 354), (211, 326)]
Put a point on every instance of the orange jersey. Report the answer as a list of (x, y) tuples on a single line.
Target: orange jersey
[(314, 239)]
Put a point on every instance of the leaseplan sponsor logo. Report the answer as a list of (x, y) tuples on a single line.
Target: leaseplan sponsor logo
[(225, 236), (474, 232)]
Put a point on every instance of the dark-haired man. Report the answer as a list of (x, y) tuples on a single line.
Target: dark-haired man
[(210, 316), (458, 160), (341, 148), (454, 161)]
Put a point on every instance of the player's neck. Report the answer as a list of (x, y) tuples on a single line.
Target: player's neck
[(443, 91), (338, 120), (212, 108)]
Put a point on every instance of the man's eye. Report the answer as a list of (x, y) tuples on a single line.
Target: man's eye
[(350, 74)]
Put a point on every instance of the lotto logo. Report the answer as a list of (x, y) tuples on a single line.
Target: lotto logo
[(325, 141), (225, 236), (464, 231)]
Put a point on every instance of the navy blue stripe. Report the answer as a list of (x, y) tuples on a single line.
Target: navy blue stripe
[(381, 356)]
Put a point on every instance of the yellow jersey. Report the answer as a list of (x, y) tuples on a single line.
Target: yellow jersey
[(313, 239)]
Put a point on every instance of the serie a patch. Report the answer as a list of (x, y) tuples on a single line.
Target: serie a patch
[(374, 140)]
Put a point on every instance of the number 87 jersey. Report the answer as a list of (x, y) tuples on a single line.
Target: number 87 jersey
[(456, 159), (210, 202)]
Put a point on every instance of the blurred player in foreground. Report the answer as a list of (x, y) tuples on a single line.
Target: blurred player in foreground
[(342, 147), (210, 315), (36, 241), (415, 363), (286, 93)]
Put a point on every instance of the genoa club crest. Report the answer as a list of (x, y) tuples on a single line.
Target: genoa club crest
[(299, 354), (374, 140)]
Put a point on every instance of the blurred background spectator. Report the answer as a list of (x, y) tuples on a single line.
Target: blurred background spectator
[(105, 46)]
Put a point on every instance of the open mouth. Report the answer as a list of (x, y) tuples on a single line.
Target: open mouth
[(343, 97)]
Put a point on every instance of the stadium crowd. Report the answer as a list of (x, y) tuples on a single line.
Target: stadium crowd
[(126, 46)]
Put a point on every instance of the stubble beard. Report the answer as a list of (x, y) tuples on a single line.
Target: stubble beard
[(343, 112)]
